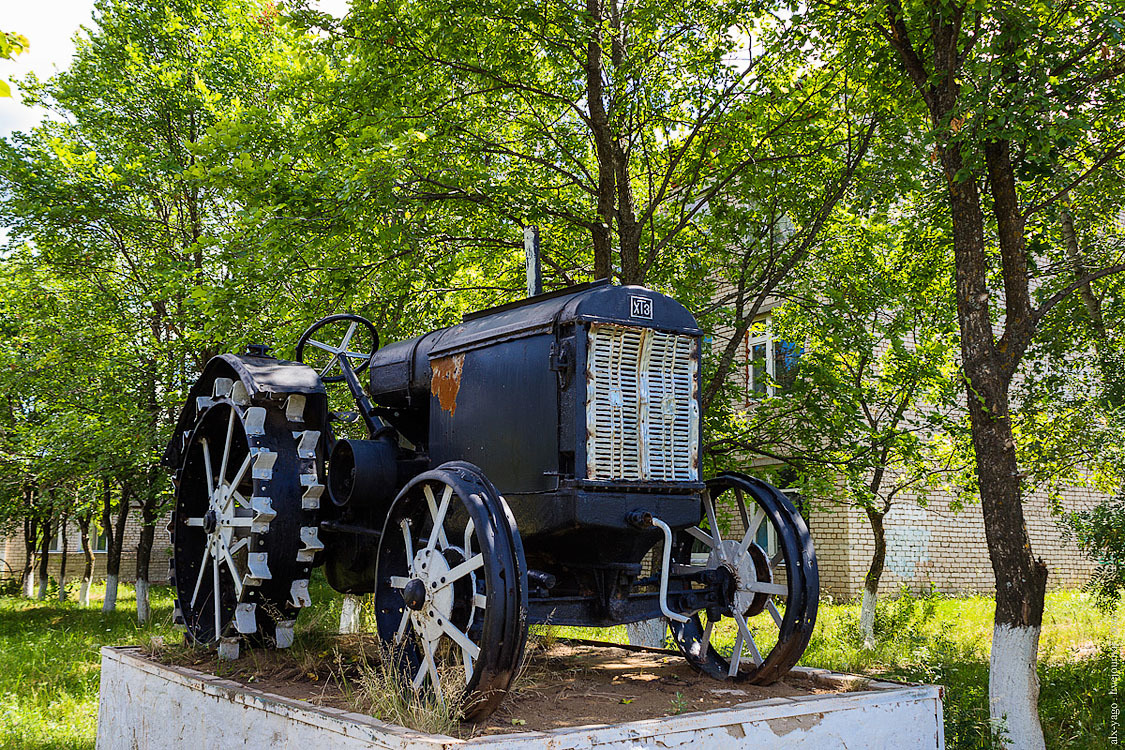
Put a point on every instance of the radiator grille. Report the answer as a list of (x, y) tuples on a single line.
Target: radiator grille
[(642, 416)]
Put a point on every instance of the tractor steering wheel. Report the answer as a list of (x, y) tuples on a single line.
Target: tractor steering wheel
[(344, 328)]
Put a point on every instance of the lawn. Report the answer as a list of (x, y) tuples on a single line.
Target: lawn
[(49, 661)]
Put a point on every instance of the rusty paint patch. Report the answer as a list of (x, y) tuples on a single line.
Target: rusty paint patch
[(446, 380)]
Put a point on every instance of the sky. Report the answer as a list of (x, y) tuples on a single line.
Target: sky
[(50, 27)]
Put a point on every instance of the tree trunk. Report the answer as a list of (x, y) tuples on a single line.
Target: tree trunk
[(115, 540), (44, 559), (144, 554), (351, 614), (603, 145), (62, 562), (1074, 255), (1020, 578), (30, 538), (84, 521), (871, 581)]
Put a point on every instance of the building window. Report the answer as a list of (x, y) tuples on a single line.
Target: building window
[(772, 362), (97, 540)]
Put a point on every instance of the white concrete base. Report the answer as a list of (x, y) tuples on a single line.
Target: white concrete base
[(648, 633), (146, 705)]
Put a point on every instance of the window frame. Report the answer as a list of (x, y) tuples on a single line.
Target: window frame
[(764, 336)]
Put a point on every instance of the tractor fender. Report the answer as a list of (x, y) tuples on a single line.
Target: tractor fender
[(261, 378)]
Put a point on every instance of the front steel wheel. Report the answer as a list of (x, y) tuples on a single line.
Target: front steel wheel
[(772, 585), (451, 588)]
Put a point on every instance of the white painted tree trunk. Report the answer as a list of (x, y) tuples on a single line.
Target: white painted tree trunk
[(143, 610), (110, 602), (648, 633), (42, 594), (84, 593), (29, 586), (351, 614), (1013, 688), (867, 617)]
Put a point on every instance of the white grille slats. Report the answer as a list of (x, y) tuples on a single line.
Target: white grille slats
[(642, 417)]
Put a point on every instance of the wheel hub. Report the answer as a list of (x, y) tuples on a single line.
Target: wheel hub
[(415, 594), (744, 567), (210, 521), (431, 570)]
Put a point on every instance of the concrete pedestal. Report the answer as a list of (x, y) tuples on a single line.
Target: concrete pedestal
[(147, 705)]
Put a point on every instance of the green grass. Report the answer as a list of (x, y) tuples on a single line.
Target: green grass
[(49, 665), (49, 660)]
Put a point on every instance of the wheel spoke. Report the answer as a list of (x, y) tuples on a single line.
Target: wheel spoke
[(328, 366), (742, 507), (239, 499), (404, 524), (402, 626), (744, 629), (702, 536), (218, 608), (761, 587), (347, 337), (202, 570), (193, 522), (243, 542), (711, 519), (773, 612), (226, 447), (356, 355), (207, 466), (437, 513), (320, 345), (469, 528), (429, 665), (458, 572), (235, 575), (735, 656), (460, 638), (239, 474), (751, 530), (706, 643)]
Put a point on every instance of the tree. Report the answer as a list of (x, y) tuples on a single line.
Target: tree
[(630, 134), (1023, 104), (104, 203), (863, 402), (11, 44)]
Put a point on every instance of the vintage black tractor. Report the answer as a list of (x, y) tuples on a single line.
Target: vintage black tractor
[(519, 467)]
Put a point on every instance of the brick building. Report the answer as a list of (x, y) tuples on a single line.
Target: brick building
[(12, 556), (927, 544)]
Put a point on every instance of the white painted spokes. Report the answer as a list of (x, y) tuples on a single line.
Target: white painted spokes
[(440, 591), (752, 571), (226, 522)]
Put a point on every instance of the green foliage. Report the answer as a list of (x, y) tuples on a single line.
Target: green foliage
[(1100, 533), (11, 44)]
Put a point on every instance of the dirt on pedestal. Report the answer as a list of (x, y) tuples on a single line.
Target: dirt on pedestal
[(562, 683)]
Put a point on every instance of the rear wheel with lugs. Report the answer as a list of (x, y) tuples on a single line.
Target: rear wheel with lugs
[(244, 533)]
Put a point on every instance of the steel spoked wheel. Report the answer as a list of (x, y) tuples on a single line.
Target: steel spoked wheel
[(243, 531), (771, 580), (451, 592)]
